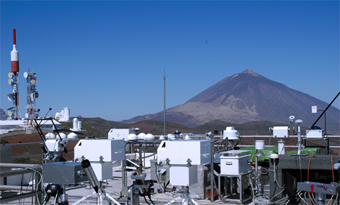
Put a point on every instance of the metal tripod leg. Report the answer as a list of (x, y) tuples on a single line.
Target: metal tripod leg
[(84, 198)]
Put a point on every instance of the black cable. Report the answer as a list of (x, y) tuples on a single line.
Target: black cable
[(146, 200), (150, 199)]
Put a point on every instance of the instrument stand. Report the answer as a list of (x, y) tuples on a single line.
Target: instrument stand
[(101, 196), (185, 196)]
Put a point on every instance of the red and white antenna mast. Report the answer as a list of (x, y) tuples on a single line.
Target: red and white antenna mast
[(13, 112)]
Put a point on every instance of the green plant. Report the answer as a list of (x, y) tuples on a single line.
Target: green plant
[(3, 141)]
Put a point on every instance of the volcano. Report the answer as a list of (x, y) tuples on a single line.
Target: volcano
[(247, 97)]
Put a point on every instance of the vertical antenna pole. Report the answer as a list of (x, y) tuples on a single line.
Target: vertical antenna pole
[(164, 105)]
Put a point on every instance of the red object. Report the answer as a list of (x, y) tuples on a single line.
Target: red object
[(14, 55), (208, 193), (14, 37), (15, 66), (312, 188)]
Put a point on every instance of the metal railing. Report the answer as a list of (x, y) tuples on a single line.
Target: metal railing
[(26, 191)]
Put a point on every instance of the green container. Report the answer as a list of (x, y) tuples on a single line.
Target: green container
[(267, 151)]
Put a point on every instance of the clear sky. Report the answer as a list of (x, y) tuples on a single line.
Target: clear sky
[(106, 59)]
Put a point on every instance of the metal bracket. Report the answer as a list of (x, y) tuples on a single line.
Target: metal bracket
[(167, 161), (189, 162)]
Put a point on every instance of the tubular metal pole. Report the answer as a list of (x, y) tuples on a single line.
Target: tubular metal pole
[(212, 171), (123, 173), (299, 140), (12, 165), (18, 197), (164, 105)]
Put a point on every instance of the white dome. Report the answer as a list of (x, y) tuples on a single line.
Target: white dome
[(132, 137), (141, 136), (161, 137), (187, 137), (172, 137), (72, 135), (231, 134), (50, 135), (62, 135), (149, 136)]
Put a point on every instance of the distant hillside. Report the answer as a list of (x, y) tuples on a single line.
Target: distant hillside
[(157, 127), (3, 115), (102, 125), (99, 127), (247, 128), (247, 97)]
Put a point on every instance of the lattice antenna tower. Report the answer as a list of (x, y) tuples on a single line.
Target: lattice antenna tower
[(32, 95)]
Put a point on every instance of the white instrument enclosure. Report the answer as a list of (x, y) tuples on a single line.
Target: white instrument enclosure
[(179, 151), (236, 163), (183, 175), (280, 131), (314, 134), (95, 149), (103, 171), (120, 133)]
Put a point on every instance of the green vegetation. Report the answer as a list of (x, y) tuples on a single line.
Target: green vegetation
[(25, 160), (3, 141)]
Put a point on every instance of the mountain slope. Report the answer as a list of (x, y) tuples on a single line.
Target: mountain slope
[(3, 115), (247, 97)]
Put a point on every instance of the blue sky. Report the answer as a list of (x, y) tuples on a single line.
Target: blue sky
[(106, 59)]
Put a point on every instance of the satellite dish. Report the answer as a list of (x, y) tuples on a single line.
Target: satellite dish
[(26, 115), (33, 81), (10, 113), (36, 94), (10, 75), (10, 81), (25, 74), (9, 98)]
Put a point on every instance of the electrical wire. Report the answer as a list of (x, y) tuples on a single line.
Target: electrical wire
[(252, 189), (158, 180), (310, 159), (146, 200), (280, 201), (36, 183), (276, 194), (299, 195), (266, 170), (56, 197), (311, 199), (150, 199)]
